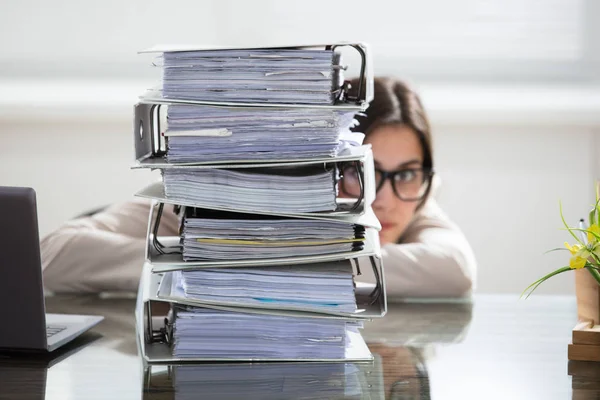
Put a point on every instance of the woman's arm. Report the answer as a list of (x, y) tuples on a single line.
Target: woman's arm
[(433, 259), (104, 252)]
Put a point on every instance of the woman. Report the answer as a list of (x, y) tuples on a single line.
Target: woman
[(424, 254), (101, 252)]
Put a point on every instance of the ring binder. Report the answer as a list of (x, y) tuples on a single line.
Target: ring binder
[(358, 103), (372, 301), (151, 148), (177, 249), (164, 253), (361, 158)]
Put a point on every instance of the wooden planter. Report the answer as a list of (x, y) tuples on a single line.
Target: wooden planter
[(585, 344)]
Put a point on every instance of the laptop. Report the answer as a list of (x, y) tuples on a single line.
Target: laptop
[(25, 324)]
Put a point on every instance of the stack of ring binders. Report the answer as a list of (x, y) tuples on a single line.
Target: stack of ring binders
[(271, 262)]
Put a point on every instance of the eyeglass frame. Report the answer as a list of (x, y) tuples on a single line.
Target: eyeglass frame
[(427, 177), (385, 175)]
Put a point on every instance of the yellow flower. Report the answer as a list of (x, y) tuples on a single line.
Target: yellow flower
[(591, 237), (577, 262), (581, 254), (573, 249)]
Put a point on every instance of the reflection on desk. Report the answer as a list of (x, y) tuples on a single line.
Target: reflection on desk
[(264, 381), (24, 375), (497, 348)]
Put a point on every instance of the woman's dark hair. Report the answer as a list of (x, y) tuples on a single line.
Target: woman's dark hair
[(395, 103)]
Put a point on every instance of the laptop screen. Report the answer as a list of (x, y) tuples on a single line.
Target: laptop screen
[(21, 288)]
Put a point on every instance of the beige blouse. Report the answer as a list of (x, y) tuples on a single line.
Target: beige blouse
[(105, 252)]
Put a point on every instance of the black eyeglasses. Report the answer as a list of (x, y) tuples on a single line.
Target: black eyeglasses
[(408, 184)]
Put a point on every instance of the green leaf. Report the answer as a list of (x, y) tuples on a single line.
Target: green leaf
[(562, 217), (587, 231), (556, 249), (594, 272), (596, 209), (537, 283)]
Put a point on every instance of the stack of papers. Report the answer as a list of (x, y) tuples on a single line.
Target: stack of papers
[(210, 235), (251, 154), (254, 76), (203, 332), (269, 381), (320, 287), (215, 134), (282, 189)]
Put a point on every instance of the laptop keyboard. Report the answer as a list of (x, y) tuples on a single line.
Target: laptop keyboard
[(52, 330)]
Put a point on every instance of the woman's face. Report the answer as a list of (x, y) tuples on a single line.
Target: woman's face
[(395, 147)]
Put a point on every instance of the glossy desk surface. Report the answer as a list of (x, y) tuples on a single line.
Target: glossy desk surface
[(498, 347)]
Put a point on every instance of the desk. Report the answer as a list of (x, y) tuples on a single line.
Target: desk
[(497, 348)]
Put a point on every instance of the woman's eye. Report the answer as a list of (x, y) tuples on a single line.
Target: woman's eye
[(405, 176)]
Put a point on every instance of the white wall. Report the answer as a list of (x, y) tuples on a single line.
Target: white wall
[(506, 154), (502, 186), (461, 39), (72, 166)]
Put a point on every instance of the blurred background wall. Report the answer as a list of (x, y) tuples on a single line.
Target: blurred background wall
[(511, 86)]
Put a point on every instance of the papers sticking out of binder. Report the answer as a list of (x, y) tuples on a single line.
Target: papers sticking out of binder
[(303, 75), (189, 134)]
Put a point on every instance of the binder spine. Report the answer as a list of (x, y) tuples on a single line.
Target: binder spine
[(147, 135)]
